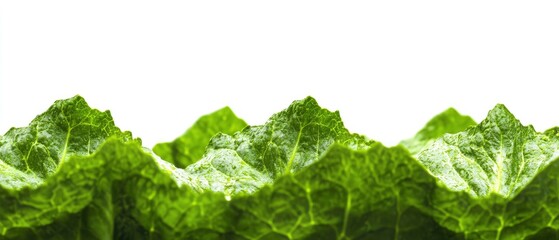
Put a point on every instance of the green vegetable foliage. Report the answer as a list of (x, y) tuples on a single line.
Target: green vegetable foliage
[(72, 174)]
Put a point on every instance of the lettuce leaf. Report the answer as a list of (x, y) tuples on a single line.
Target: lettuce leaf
[(448, 121), (41, 182), (289, 141), (373, 193), (498, 156), (190, 147), (498, 179), (72, 174), (124, 191), (31, 154)]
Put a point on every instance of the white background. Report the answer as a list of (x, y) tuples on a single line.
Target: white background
[(388, 67)]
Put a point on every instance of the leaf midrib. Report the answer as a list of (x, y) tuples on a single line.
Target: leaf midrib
[(66, 142), (295, 148)]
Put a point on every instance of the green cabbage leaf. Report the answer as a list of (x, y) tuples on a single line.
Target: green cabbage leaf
[(72, 174)]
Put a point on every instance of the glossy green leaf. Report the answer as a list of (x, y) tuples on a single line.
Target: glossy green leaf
[(92, 181), (497, 177), (70, 127), (498, 156), (189, 147), (449, 121), (72, 174), (288, 142), (123, 192), (377, 193)]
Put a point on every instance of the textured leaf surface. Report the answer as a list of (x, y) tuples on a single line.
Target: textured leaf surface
[(498, 156), (76, 189), (532, 214), (449, 121), (190, 147), (120, 192), (290, 140), (34, 191), (501, 178), (379, 193), (69, 127), (72, 174), (123, 191)]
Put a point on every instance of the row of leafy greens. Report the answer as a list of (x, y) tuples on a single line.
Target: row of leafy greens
[(72, 174)]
